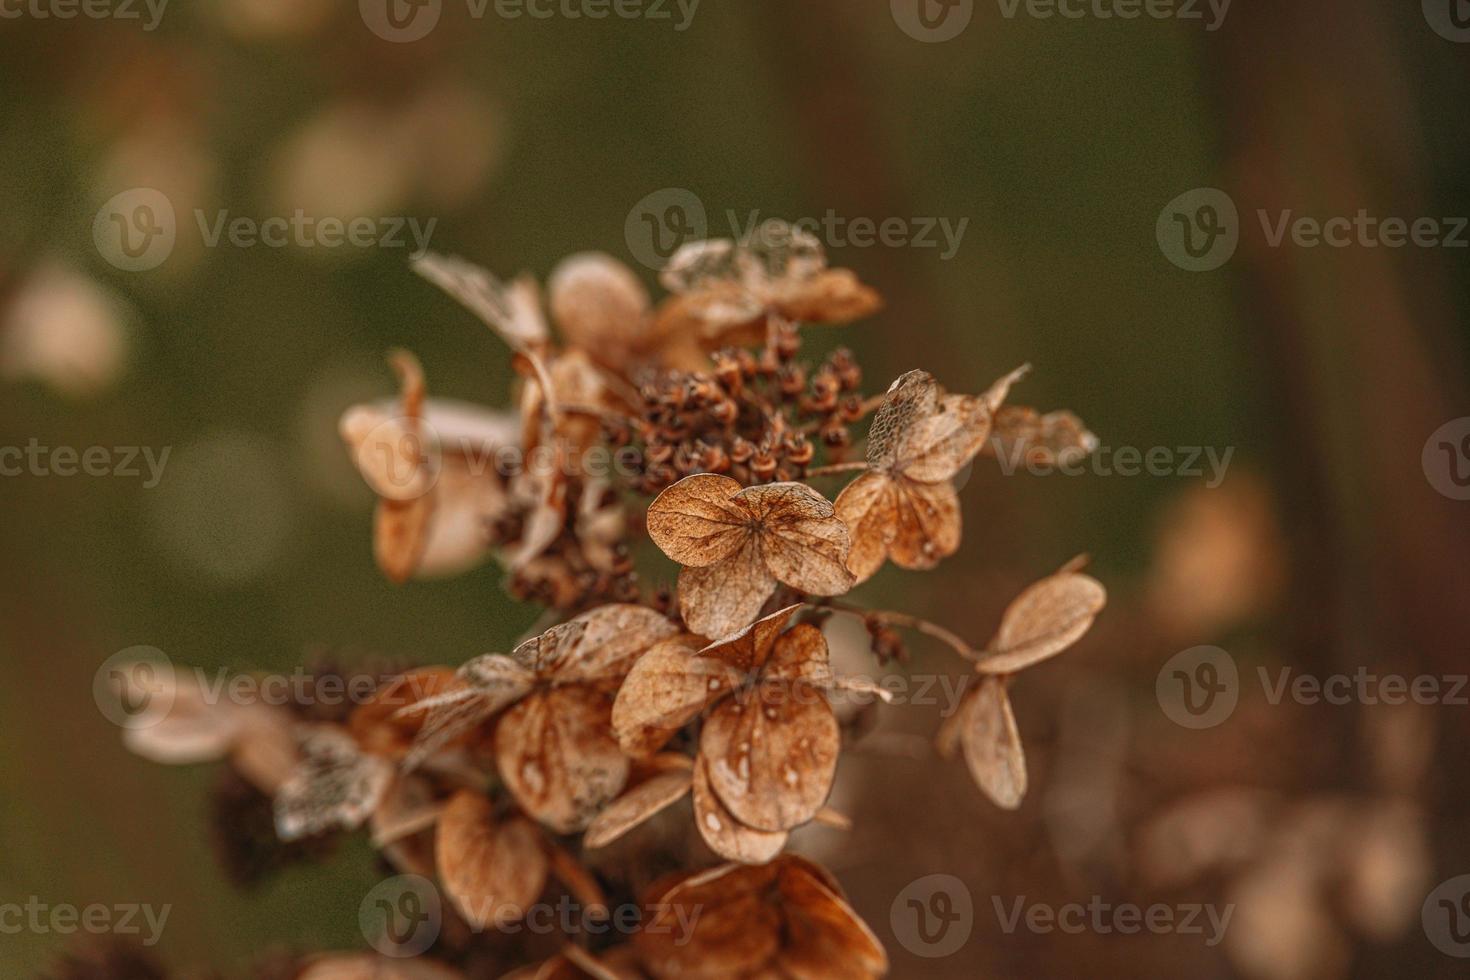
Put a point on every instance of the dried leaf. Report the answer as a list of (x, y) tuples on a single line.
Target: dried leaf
[(487, 685), (993, 745), (698, 522), (637, 805), (799, 654), (401, 535), (735, 928), (718, 599), (772, 755), (600, 306), (491, 872), (723, 832), (600, 645), (1044, 620), (802, 541), (666, 688), (915, 524), (557, 756)]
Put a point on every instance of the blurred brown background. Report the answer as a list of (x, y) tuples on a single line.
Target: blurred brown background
[(1326, 547)]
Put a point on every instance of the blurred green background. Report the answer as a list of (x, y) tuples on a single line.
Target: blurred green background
[(1058, 141)]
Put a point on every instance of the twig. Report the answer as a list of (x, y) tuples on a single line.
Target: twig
[(891, 618), (832, 468)]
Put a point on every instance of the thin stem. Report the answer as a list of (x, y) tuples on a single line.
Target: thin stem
[(891, 618), (832, 468)]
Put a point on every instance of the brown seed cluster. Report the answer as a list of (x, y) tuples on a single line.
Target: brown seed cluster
[(755, 416)]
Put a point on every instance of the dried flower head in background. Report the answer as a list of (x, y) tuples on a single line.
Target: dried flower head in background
[(494, 778)]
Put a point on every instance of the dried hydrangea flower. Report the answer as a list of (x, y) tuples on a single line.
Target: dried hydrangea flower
[(492, 870), (905, 507), (1045, 619), (787, 918), (724, 291), (736, 543), (768, 749), (553, 742)]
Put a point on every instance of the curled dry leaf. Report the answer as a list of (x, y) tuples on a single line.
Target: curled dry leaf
[(335, 786), (782, 919), (736, 543), (992, 745), (1045, 619), (491, 871), (725, 290), (637, 805)]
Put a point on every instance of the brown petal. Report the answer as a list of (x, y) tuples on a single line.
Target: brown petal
[(697, 521), (613, 637), (726, 835), (492, 873), (801, 540), (544, 654), (997, 393), (600, 306), (993, 745), (934, 448), (513, 311), (911, 398), (772, 755), (388, 450), (557, 756), (1022, 435), (1044, 620), (832, 296), (381, 724), (400, 535), (459, 535), (748, 650), (488, 684), (637, 805), (667, 687), (719, 599), (927, 523), (735, 928), (800, 654), (869, 508), (825, 938)]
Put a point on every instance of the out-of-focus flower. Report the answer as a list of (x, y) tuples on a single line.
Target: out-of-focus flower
[(66, 330)]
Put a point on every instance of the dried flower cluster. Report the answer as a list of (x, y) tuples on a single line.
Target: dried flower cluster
[(513, 770)]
